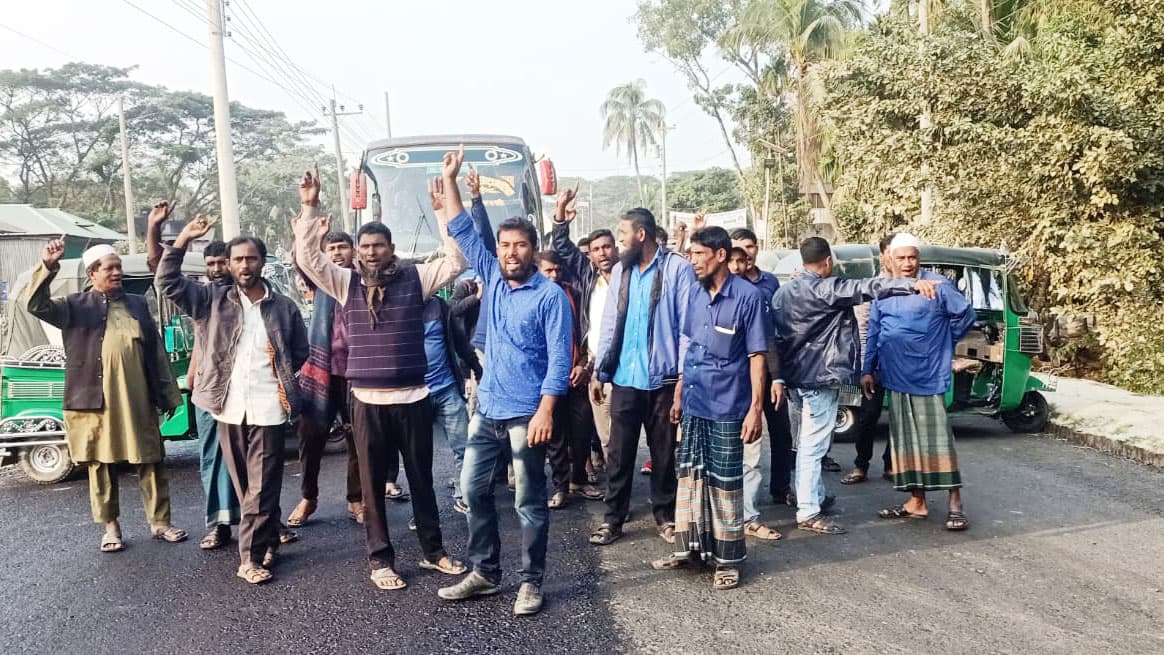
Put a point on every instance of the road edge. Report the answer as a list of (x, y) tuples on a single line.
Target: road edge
[(1106, 445)]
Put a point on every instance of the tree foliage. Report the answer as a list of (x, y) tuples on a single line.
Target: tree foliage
[(633, 123), (1058, 155)]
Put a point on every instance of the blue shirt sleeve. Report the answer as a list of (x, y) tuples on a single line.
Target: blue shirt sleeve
[(684, 282), (470, 241), (958, 309), (873, 334), (559, 334), (756, 338), (481, 222)]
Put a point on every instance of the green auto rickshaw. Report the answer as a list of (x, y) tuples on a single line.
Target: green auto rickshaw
[(992, 367), (32, 369)]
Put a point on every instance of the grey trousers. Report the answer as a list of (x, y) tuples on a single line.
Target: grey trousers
[(254, 457)]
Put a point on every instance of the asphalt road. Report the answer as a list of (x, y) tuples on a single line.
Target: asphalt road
[(1064, 556)]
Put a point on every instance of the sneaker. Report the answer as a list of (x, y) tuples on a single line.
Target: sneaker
[(529, 600), (829, 464), (648, 466), (470, 586), (460, 506)]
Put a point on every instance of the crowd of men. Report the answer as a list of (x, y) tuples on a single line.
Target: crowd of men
[(559, 358)]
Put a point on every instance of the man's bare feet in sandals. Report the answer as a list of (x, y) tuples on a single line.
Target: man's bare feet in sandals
[(218, 537), (302, 512), (392, 491), (253, 573), (111, 542), (168, 533), (387, 579), (726, 577)]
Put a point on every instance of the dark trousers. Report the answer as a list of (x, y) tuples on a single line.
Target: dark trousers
[(313, 434), (492, 443), (380, 431), (631, 410), (569, 448), (254, 457), (783, 456), (867, 418)]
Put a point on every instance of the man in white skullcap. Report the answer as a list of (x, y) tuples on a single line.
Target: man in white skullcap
[(908, 351), (117, 384)]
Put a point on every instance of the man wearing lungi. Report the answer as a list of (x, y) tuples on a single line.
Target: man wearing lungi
[(721, 404), (910, 349)]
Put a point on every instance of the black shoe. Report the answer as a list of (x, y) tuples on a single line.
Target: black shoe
[(829, 464)]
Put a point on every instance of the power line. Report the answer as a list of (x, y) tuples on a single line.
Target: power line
[(38, 41)]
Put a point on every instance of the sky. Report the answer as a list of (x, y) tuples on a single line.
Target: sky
[(535, 69)]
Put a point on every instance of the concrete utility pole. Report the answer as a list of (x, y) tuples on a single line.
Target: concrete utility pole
[(227, 187), (129, 203), (388, 114), (349, 224), (663, 155), (925, 120), (768, 163)]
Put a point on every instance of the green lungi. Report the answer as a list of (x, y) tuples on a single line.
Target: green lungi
[(709, 505), (922, 444)]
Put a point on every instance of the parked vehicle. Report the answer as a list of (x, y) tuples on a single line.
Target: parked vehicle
[(32, 370), (992, 369)]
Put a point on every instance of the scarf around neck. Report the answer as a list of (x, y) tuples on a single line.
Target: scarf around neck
[(374, 282)]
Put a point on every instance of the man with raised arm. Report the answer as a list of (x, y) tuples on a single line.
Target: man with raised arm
[(527, 369), (383, 305)]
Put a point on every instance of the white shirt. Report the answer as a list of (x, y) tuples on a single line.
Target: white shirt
[(252, 395), (597, 304)]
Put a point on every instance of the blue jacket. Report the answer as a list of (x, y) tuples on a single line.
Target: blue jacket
[(911, 339), (667, 346), (816, 331)]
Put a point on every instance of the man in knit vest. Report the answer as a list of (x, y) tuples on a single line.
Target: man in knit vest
[(383, 305)]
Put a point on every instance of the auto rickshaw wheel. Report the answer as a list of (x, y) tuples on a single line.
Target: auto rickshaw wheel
[(46, 464), (1031, 416), (846, 426)]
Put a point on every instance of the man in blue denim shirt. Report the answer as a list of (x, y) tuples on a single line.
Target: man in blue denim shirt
[(527, 368), (641, 351)]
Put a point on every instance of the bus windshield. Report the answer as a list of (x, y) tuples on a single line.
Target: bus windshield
[(400, 176)]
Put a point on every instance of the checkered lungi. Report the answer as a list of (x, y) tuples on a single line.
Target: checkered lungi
[(709, 506), (922, 443)]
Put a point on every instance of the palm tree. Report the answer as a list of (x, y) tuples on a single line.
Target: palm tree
[(633, 123), (811, 31)]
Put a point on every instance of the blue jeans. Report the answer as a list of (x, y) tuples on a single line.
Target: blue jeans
[(451, 420), (222, 506), (489, 442), (815, 410)]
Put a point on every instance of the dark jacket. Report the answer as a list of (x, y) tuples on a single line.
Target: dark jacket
[(436, 309), (222, 311), (463, 315), (81, 318), (580, 274), (816, 331)]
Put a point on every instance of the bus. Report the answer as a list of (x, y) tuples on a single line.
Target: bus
[(392, 185)]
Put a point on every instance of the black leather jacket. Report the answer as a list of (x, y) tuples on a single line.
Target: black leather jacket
[(816, 330)]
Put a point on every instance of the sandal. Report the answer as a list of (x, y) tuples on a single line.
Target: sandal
[(253, 574), (672, 562), (356, 512), (287, 536), (956, 521), (589, 492), (302, 512), (269, 558), (387, 579), (856, 476), (820, 525), (392, 491), (761, 531), (168, 533), (900, 512), (557, 501), (667, 532), (726, 577), (605, 535), (446, 565), (111, 543), (218, 537)]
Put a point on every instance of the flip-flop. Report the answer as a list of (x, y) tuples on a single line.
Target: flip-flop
[(111, 543), (956, 521), (900, 512), (302, 512), (454, 567), (388, 580), (726, 577), (396, 494), (856, 476)]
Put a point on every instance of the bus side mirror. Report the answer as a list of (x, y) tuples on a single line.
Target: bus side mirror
[(359, 190), (548, 177)]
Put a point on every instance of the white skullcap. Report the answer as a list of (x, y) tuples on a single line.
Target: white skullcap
[(904, 240), (95, 253)]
